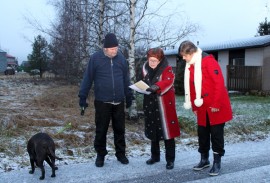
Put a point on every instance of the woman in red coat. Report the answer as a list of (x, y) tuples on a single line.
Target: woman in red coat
[(206, 94), (161, 122)]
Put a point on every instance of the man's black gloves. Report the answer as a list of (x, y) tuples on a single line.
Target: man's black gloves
[(83, 105), (153, 89), (129, 101)]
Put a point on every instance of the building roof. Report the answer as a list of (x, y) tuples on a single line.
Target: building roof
[(253, 42), (10, 56), (2, 50)]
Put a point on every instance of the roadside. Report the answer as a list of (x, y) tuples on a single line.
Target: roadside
[(244, 162)]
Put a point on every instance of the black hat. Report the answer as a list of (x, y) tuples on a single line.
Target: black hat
[(110, 41)]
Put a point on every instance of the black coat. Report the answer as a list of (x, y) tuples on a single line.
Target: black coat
[(153, 127)]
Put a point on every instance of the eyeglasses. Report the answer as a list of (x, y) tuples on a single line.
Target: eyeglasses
[(154, 61)]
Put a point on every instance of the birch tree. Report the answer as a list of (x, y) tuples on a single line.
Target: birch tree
[(148, 29), (131, 54), (82, 24)]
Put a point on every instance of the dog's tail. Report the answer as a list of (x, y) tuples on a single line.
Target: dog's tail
[(53, 154)]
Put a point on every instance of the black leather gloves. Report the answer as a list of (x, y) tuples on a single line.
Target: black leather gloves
[(153, 89), (83, 105), (129, 101)]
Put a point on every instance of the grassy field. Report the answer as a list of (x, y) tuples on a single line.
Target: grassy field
[(251, 118), (31, 105)]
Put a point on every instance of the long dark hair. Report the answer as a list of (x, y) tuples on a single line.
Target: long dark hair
[(187, 47)]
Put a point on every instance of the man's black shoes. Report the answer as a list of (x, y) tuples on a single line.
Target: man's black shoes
[(152, 160), (99, 161), (169, 165), (123, 159)]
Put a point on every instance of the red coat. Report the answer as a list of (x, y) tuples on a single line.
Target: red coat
[(214, 93), (164, 101)]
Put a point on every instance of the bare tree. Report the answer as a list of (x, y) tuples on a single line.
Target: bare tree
[(101, 22), (136, 26), (72, 37), (82, 25), (148, 28)]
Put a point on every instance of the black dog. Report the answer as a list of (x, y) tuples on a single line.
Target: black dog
[(41, 147)]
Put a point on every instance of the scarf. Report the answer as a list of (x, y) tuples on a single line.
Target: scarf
[(197, 61), (151, 76)]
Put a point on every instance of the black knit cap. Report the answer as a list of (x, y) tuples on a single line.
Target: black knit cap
[(110, 41)]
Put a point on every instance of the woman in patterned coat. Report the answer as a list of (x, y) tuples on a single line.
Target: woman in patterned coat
[(161, 122)]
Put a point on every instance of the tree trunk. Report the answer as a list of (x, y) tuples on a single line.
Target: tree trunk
[(133, 109), (101, 22)]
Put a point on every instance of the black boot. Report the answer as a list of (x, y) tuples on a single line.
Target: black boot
[(100, 161), (169, 165), (170, 153), (123, 159), (152, 160), (155, 153), (216, 165), (204, 163)]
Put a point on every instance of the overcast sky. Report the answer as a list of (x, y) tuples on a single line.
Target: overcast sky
[(219, 20)]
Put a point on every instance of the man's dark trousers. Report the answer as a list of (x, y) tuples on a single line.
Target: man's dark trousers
[(104, 113)]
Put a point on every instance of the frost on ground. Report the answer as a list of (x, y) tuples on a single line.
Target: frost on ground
[(31, 105)]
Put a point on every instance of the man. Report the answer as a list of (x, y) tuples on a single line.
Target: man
[(108, 70)]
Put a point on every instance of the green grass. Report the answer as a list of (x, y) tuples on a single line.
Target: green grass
[(188, 126), (251, 117)]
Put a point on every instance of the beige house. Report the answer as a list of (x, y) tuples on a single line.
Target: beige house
[(245, 63)]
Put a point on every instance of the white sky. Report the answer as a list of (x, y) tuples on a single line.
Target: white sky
[(16, 35), (219, 20)]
